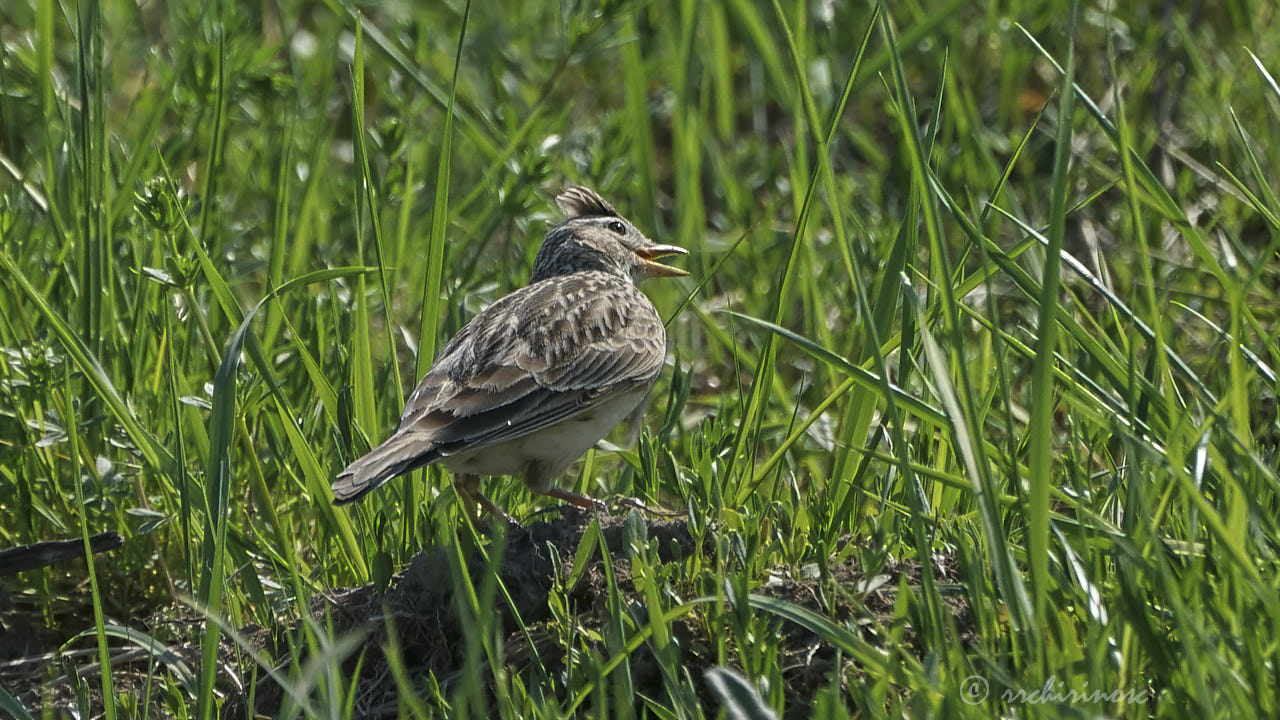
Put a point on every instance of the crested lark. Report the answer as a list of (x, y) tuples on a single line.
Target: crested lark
[(539, 376)]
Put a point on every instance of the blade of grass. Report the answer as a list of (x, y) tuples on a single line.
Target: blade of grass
[(95, 265), (362, 393), (11, 705), (1008, 580), (279, 233), (218, 483), (1043, 394), (917, 500), (859, 415), (434, 252), (764, 374), (69, 425)]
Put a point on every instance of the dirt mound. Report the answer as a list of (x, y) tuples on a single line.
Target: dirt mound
[(432, 636)]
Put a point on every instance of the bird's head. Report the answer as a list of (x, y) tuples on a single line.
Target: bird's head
[(594, 236)]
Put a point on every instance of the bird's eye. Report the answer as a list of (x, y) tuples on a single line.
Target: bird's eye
[(616, 226)]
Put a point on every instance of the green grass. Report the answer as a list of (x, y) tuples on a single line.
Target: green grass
[(987, 291)]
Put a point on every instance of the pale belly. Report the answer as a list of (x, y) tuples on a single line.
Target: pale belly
[(558, 446)]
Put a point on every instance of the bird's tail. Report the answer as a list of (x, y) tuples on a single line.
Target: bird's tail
[(400, 453)]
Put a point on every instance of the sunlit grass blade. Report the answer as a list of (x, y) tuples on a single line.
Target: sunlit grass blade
[(871, 658), (361, 357), (941, 271), (161, 652), (434, 251), (741, 700), (475, 123), (73, 453), (280, 233), (969, 446), (1043, 393), (218, 481), (1271, 208), (764, 373)]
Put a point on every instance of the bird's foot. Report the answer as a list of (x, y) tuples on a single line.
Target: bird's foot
[(620, 503), (623, 501), (581, 501)]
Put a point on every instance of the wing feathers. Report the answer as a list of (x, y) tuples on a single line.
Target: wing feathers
[(540, 355)]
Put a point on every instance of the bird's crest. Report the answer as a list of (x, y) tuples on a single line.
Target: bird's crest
[(579, 201)]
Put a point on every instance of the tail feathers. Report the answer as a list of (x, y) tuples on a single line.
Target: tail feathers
[(400, 453)]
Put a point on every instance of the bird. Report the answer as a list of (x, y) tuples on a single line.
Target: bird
[(538, 377)]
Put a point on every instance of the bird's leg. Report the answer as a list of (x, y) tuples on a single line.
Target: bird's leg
[(469, 486), (539, 476), (494, 510)]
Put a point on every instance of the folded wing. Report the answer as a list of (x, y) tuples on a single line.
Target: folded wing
[(541, 355)]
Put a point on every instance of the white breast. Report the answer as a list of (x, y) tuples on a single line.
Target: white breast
[(558, 445)]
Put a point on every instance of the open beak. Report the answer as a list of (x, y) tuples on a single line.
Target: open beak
[(649, 253)]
